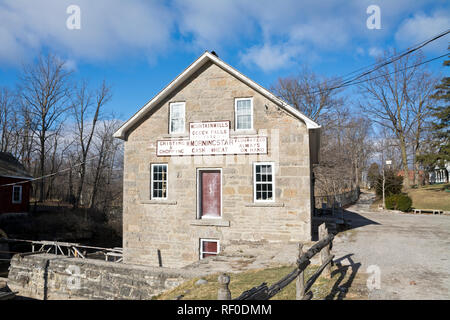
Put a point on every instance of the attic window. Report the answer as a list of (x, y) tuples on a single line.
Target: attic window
[(244, 113), (177, 117)]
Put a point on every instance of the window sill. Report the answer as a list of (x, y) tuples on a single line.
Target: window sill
[(210, 222), (242, 132), (166, 202), (265, 204), (175, 135)]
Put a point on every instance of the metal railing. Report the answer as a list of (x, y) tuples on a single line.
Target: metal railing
[(69, 249)]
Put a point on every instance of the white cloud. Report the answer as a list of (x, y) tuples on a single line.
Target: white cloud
[(269, 58), (375, 52), (213, 24), (108, 28), (422, 27), (266, 29)]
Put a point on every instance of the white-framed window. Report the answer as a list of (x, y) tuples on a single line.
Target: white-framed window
[(263, 182), (177, 117), (209, 247), (159, 177), (17, 194), (243, 111)]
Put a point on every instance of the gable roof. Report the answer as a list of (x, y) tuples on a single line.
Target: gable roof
[(197, 64), (11, 167)]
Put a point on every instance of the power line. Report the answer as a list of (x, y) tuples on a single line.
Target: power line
[(49, 175), (379, 76), (396, 57), (396, 71), (385, 62)]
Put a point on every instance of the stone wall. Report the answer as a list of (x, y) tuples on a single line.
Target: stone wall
[(52, 277), (171, 227)]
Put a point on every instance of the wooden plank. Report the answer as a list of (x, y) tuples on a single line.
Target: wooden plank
[(257, 293), (316, 274), (300, 282), (325, 252)]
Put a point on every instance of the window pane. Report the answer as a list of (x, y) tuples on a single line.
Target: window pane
[(263, 182), (210, 246), (177, 116), (177, 125), (159, 181), (16, 194), (243, 114)]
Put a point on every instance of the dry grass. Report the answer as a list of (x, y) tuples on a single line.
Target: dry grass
[(323, 288), (376, 203), (431, 197)]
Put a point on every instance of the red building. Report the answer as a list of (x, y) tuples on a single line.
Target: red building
[(14, 192), (421, 176)]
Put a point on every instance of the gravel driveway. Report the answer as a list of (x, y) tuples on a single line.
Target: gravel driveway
[(412, 252)]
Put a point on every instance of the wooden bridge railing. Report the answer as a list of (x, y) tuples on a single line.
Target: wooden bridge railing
[(303, 292), (69, 249)]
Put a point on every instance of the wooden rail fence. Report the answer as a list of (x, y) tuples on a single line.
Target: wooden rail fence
[(303, 289)]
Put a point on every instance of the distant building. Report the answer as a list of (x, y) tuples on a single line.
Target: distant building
[(421, 176), (440, 174), (14, 198)]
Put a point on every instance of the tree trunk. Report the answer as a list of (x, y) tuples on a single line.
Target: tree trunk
[(406, 182), (42, 169)]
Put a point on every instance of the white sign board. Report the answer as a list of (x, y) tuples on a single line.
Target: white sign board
[(211, 138), (204, 131)]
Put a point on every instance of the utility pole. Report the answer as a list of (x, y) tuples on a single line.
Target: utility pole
[(388, 162)]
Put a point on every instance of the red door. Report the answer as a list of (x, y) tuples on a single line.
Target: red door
[(210, 198)]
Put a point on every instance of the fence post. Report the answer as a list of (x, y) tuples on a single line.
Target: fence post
[(300, 282), (325, 252), (224, 292)]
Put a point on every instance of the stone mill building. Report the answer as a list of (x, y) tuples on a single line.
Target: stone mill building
[(214, 159)]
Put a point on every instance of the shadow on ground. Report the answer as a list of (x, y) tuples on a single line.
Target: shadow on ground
[(355, 220), (340, 222), (345, 287)]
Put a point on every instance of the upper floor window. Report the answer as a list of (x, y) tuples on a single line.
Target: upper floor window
[(244, 113), (264, 181), (177, 117), (159, 181), (17, 194)]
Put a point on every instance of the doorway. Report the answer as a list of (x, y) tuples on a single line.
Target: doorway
[(209, 193)]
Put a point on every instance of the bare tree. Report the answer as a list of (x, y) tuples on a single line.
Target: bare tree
[(83, 105), (388, 99), (420, 101), (309, 93), (44, 90), (8, 120), (107, 149)]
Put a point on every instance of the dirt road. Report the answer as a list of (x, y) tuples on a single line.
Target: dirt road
[(411, 252)]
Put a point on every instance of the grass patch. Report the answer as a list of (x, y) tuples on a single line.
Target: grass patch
[(374, 205), (431, 197), (243, 281)]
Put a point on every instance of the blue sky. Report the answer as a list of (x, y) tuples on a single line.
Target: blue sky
[(140, 46)]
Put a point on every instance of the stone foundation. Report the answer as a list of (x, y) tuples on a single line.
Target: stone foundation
[(52, 277)]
